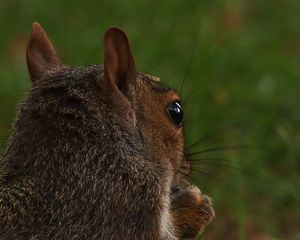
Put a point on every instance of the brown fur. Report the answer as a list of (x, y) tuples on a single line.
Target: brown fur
[(94, 154), (191, 212)]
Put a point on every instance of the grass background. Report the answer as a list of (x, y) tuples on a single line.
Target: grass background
[(245, 68)]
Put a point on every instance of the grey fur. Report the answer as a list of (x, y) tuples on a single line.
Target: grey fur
[(74, 170)]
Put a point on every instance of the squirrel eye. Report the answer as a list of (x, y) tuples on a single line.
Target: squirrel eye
[(175, 113)]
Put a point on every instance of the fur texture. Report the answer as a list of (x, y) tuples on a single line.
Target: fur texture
[(93, 154)]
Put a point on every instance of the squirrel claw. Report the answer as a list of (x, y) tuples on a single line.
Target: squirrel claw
[(192, 212)]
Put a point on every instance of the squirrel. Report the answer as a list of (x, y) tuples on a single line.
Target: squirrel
[(97, 152)]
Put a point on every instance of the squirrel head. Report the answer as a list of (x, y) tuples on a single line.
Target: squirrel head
[(87, 96)]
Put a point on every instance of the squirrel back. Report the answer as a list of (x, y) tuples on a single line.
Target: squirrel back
[(95, 151)]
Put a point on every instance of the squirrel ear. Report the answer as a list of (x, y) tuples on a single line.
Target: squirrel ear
[(119, 66), (41, 56)]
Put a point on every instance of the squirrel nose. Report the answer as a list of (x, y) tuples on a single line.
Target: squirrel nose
[(175, 189)]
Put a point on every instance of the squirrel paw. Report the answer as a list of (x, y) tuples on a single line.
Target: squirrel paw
[(191, 212)]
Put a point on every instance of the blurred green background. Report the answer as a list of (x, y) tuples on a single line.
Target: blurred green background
[(243, 76)]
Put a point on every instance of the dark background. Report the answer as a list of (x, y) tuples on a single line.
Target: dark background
[(242, 87)]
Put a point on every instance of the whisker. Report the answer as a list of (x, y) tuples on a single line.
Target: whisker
[(185, 101), (223, 148), (242, 170), (216, 133), (188, 65), (216, 160), (218, 180), (241, 166), (191, 179), (189, 96)]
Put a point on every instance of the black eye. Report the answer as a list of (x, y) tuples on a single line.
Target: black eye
[(175, 112)]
